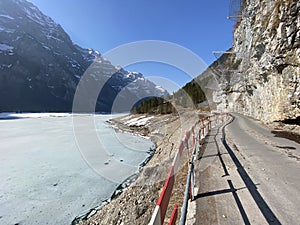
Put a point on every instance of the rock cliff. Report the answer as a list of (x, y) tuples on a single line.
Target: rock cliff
[(261, 74)]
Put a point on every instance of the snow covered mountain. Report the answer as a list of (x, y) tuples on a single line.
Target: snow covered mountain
[(40, 66)]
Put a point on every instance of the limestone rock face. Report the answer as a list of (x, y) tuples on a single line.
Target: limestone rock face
[(265, 62)]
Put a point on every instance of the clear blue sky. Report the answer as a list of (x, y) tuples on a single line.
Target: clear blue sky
[(199, 25)]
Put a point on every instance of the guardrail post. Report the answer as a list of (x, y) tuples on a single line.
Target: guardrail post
[(159, 213), (199, 137), (174, 215), (203, 128), (192, 189), (193, 138), (186, 197)]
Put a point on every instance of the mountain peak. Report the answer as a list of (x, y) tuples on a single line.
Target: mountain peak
[(41, 66)]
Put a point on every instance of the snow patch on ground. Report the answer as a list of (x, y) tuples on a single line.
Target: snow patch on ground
[(74, 63), (55, 38), (46, 47), (34, 17), (5, 47), (33, 14), (77, 76), (7, 17), (160, 88), (139, 121), (17, 38), (5, 66)]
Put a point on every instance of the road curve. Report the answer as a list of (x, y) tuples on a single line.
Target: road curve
[(274, 163), (246, 175)]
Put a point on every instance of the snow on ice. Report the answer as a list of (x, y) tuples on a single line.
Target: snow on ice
[(7, 17), (5, 47)]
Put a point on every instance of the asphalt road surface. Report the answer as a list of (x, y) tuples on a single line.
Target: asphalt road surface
[(246, 175)]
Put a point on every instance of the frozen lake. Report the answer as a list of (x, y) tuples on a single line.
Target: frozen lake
[(44, 177)]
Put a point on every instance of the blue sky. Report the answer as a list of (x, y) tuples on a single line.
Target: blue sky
[(198, 25)]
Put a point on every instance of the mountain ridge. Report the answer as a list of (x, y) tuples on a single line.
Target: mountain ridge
[(41, 66)]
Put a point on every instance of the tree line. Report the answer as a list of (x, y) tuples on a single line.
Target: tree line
[(188, 96)]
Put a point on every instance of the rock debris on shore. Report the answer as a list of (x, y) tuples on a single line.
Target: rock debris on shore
[(136, 203)]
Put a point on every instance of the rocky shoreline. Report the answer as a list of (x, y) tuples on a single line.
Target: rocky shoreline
[(134, 201), (118, 126)]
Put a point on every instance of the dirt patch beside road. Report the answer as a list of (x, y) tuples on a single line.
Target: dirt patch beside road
[(286, 134)]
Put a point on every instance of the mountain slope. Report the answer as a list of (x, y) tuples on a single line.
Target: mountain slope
[(40, 66), (260, 75)]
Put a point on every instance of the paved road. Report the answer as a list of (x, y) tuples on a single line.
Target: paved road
[(248, 176)]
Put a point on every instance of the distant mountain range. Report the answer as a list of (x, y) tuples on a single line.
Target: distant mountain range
[(40, 66)]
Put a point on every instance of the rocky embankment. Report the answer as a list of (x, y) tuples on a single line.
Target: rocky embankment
[(261, 76), (136, 203)]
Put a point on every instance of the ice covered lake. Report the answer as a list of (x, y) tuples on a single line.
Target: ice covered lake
[(45, 177)]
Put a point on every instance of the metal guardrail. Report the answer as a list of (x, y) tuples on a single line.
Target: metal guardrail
[(189, 187), (158, 216)]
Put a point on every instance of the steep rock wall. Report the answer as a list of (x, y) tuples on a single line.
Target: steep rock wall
[(264, 66)]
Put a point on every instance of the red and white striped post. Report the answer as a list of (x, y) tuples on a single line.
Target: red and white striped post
[(159, 214), (160, 210), (174, 215), (193, 137), (202, 128)]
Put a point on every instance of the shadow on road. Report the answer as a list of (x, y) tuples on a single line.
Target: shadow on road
[(288, 135), (231, 188), (262, 205), (219, 154), (238, 202)]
